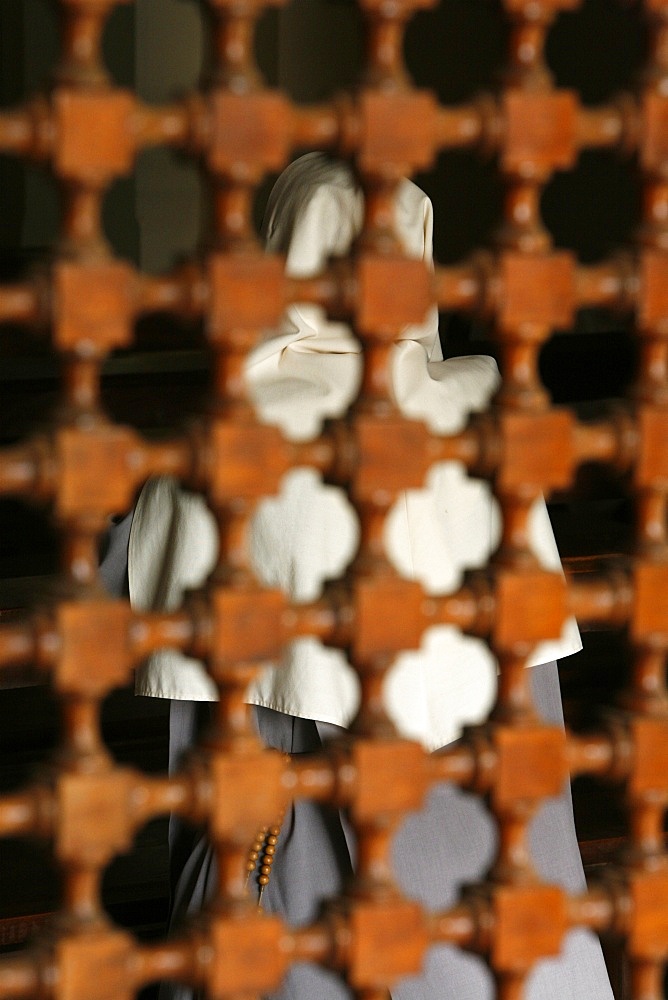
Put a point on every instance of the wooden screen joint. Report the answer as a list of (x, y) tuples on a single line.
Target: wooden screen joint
[(244, 461), (105, 113), (388, 616), (246, 624), (244, 956), (648, 938), (247, 134), (533, 294), (100, 954), (392, 293), (232, 300), (243, 789), (502, 754), (99, 469), (518, 926), (93, 815), (540, 131), (649, 610), (93, 306), (392, 455), (389, 940), (652, 277), (537, 451), (648, 777), (531, 605), (391, 778), (395, 131), (638, 911), (95, 632)]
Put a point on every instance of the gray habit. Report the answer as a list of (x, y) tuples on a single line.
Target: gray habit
[(449, 843)]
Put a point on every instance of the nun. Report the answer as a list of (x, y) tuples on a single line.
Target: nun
[(306, 371)]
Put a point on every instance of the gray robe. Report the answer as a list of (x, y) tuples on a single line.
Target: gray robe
[(449, 843)]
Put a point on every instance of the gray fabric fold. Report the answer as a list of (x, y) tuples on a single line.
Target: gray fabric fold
[(449, 843)]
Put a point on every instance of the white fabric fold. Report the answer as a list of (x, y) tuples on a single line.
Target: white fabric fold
[(298, 376), (173, 547)]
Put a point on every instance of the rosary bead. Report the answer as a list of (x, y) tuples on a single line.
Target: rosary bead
[(262, 849)]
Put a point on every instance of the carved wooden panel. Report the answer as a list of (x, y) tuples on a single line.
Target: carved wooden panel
[(84, 468)]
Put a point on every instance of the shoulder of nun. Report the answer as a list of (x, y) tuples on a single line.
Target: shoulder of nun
[(158, 490), (414, 219), (296, 187), (162, 499), (321, 223)]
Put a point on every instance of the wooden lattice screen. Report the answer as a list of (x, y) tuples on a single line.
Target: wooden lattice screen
[(86, 468)]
